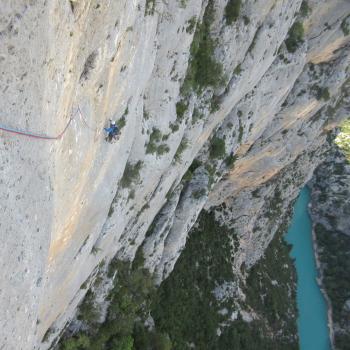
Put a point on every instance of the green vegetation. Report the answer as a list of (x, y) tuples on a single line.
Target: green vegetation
[(185, 309), (273, 205), (150, 7), (237, 70), (181, 108), (191, 25), (295, 37), (131, 174), (111, 210), (253, 43), (217, 148), (269, 298), (345, 26), (211, 174), (145, 114), (334, 254), (198, 193), (153, 146), (232, 11), (332, 241), (230, 160), (155, 137), (80, 342), (182, 146), (240, 132), (343, 138), (185, 306), (321, 92), (88, 312), (162, 149), (304, 9), (203, 71), (214, 104), (196, 115), (190, 171), (123, 329), (122, 121), (255, 193), (183, 3), (246, 20), (174, 127), (131, 194)]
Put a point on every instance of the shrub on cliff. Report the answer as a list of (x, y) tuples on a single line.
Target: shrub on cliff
[(304, 9), (131, 174), (321, 93), (181, 108), (232, 11), (182, 146), (217, 148), (203, 70), (153, 146), (345, 25), (295, 37)]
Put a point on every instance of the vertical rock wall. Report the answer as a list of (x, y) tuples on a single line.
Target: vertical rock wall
[(64, 208)]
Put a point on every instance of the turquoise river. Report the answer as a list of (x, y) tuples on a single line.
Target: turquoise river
[(312, 321)]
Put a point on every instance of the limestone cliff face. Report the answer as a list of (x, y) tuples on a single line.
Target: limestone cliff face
[(330, 211), (65, 204)]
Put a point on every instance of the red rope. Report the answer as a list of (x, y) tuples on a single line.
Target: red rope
[(44, 137), (36, 136)]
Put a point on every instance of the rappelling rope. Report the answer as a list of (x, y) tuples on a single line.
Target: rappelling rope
[(84, 120), (45, 137), (36, 136)]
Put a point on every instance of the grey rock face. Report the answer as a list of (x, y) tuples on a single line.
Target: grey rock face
[(65, 205), (330, 212)]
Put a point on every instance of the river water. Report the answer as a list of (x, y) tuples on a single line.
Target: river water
[(312, 321)]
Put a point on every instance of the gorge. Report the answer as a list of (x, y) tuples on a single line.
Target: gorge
[(225, 109)]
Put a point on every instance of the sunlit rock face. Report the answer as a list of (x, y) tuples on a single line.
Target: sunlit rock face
[(252, 108)]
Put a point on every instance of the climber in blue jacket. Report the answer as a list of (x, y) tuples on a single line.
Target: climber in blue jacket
[(112, 131)]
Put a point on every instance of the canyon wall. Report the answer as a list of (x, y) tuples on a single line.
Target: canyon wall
[(216, 107)]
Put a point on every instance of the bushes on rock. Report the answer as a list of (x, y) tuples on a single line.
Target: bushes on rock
[(181, 108), (345, 25), (198, 193), (182, 146), (150, 7), (131, 174), (295, 37), (321, 93), (191, 25), (232, 11), (203, 70), (304, 9), (123, 329), (230, 160), (153, 146), (217, 148), (82, 341)]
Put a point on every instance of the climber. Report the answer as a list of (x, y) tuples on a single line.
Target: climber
[(112, 131)]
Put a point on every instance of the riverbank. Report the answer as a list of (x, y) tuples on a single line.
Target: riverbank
[(329, 212), (320, 279), (313, 327)]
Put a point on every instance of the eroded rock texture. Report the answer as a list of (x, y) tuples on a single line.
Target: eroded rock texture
[(251, 96), (330, 212)]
